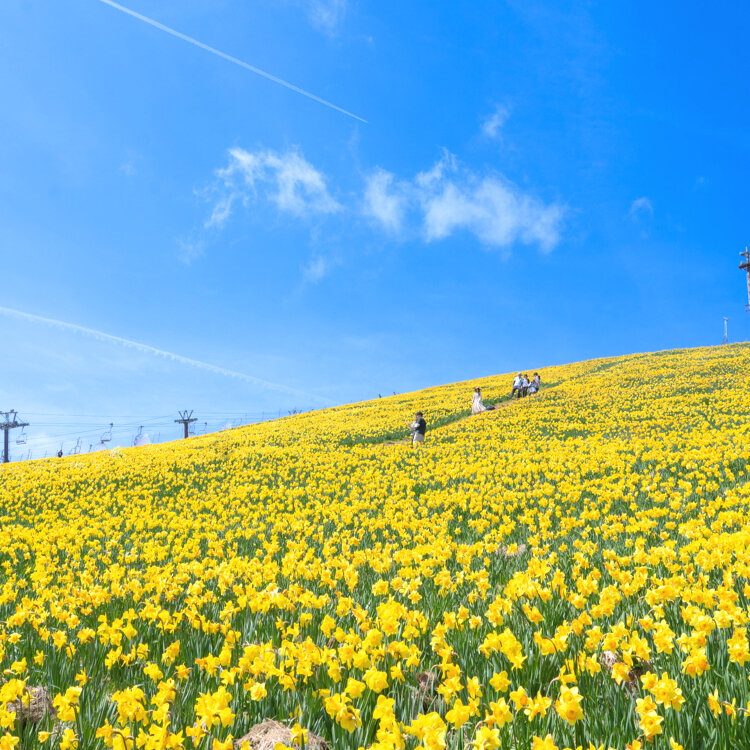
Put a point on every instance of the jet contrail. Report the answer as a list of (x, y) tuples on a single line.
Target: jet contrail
[(225, 56), (101, 336)]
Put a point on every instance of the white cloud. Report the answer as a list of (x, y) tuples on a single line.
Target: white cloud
[(286, 179), (190, 250), (221, 211), (448, 198), (435, 204), (436, 173), (301, 187), (327, 15), (315, 269), (492, 124), (385, 202), (129, 167), (641, 208), (494, 210)]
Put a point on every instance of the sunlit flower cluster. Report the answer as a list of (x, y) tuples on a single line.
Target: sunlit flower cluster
[(571, 570)]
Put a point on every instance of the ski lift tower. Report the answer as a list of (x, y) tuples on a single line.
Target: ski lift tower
[(746, 268), (11, 423), (186, 419), (725, 340)]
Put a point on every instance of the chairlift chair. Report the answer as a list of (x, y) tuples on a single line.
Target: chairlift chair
[(141, 438), (21, 439), (107, 436)]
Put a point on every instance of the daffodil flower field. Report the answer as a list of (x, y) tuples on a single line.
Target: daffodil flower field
[(569, 570)]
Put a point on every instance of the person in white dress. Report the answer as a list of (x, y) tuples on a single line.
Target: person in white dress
[(477, 407)]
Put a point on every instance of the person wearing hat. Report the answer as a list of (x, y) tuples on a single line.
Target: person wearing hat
[(517, 384)]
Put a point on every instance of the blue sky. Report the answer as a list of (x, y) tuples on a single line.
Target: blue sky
[(535, 183)]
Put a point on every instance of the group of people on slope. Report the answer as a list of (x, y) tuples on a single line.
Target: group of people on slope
[(521, 386)]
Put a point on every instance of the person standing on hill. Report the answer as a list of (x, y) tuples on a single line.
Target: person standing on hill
[(516, 385), (477, 407), (535, 383), (418, 429), (524, 385)]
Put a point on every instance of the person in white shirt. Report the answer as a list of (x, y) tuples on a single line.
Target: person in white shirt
[(517, 385), (524, 385), (534, 384)]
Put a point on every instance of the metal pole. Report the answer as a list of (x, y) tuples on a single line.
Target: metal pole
[(746, 267), (11, 423), (186, 417)]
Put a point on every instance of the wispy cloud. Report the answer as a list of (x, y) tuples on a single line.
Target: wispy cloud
[(129, 167), (436, 203), (327, 15), (286, 179), (641, 208), (385, 200), (493, 123), (448, 198), (190, 250), (316, 268), (236, 61), (147, 349)]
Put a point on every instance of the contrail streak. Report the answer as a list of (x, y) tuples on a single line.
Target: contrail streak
[(101, 336), (225, 56)]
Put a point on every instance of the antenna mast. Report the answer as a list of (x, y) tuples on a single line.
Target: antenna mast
[(746, 268), (11, 423)]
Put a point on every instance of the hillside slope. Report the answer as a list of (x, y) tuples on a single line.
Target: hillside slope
[(304, 570)]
